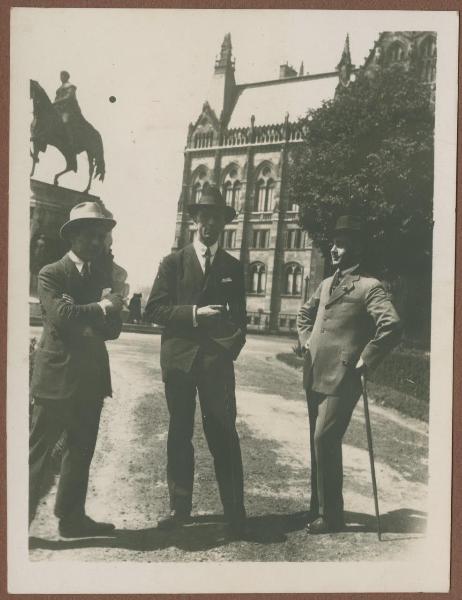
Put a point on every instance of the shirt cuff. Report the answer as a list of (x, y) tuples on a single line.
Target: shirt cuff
[(194, 315)]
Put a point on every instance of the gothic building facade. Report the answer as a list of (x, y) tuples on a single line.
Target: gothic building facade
[(241, 142)]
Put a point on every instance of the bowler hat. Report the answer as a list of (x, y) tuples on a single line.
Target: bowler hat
[(86, 212), (211, 196), (348, 223)]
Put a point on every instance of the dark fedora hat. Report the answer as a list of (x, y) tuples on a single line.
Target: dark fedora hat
[(87, 212), (211, 196), (348, 223)]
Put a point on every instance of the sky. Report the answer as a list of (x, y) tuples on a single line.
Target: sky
[(158, 65)]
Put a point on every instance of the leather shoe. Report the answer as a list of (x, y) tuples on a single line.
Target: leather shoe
[(174, 519), (323, 525), (83, 527)]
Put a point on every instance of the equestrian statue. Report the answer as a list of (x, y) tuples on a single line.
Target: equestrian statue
[(62, 125)]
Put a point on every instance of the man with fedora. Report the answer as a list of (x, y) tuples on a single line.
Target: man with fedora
[(345, 329), (71, 375), (198, 297)]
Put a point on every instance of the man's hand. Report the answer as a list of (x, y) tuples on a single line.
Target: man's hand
[(68, 299), (112, 303), (209, 312)]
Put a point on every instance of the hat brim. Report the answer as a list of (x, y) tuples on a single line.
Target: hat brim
[(69, 225), (229, 211)]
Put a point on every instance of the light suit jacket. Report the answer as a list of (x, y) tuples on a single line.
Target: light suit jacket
[(357, 320)]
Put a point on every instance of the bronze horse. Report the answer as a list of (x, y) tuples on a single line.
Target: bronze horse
[(48, 128)]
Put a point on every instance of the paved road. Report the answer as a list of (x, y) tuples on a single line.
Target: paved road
[(128, 473)]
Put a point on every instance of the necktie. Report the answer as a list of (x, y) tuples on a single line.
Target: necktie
[(208, 256), (335, 281), (85, 272)]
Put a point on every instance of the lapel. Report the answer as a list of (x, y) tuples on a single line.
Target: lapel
[(74, 279), (192, 268), (345, 287)]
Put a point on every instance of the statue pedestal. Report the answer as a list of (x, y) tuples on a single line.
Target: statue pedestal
[(50, 206)]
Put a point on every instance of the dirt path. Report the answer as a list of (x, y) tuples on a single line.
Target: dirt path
[(128, 473)]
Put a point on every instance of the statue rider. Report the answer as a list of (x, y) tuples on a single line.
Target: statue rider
[(66, 105)]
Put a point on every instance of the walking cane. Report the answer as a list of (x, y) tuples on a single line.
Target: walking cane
[(371, 453)]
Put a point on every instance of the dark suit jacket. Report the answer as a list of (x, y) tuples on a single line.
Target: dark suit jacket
[(357, 320), (179, 285), (71, 356)]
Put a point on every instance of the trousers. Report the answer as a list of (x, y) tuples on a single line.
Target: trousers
[(329, 417), (213, 379), (79, 418)]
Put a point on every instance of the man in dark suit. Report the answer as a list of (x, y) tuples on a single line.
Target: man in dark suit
[(71, 375), (199, 298), (345, 328)]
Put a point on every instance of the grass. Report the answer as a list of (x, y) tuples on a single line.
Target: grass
[(400, 382)]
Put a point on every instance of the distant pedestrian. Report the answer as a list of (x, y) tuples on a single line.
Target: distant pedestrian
[(345, 329), (134, 308)]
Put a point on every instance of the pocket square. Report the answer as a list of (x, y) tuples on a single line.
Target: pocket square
[(226, 280)]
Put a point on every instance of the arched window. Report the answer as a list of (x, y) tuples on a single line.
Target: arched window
[(232, 189), (228, 193), (293, 279), (264, 188), (199, 185), (428, 59), (196, 192), (396, 52), (257, 278)]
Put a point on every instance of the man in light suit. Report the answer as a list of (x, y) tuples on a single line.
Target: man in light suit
[(346, 328), (199, 298), (71, 375)]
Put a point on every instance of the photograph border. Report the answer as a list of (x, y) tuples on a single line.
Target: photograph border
[(5, 6)]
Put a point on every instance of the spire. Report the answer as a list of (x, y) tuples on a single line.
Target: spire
[(345, 66), (225, 60), (302, 69)]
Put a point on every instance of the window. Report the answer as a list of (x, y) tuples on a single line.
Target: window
[(260, 238), (228, 238), (293, 279), (264, 188), (283, 322), (232, 189), (294, 207), (200, 184), (428, 59), (196, 192), (257, 272), (294, 238), (396, 52)]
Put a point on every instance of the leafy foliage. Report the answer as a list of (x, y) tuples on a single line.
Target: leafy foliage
[(369, 151)]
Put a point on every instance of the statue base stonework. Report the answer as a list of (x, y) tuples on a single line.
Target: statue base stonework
[(50, 206)]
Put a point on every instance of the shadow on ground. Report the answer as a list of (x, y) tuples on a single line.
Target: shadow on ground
[(207, 532), (404, 520)]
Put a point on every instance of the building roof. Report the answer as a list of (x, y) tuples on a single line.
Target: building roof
[(269, 101)]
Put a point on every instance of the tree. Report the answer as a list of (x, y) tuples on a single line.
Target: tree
[(369, 151)]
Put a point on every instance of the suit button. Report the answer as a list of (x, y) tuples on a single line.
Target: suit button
[(323, 331)]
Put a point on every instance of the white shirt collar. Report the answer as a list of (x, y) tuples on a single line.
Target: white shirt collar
[(78, 262), (202, 248)]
